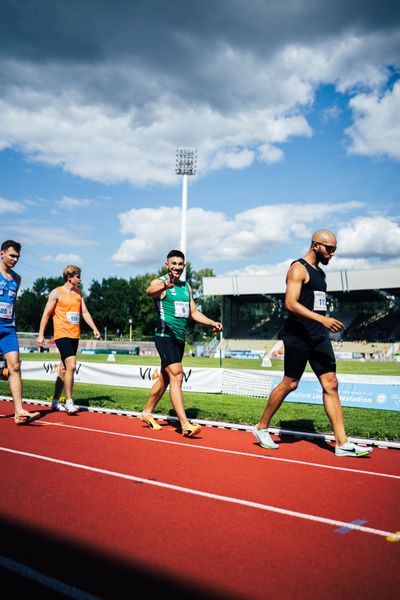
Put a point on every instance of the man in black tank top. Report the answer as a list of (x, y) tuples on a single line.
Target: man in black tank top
[(306, 338)]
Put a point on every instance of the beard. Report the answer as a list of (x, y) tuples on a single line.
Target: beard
[(323, 259)]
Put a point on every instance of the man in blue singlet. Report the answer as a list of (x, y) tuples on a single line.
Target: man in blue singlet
[(306, 338), (9, 347)]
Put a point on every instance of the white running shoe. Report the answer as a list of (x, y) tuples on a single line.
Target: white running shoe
[(264, 438), (70, 407), (351, 449), (56, 405)]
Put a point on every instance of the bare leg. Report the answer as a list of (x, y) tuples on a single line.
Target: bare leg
[(175, 374), (157, 391), (277, 396), (332, 406), (59, 384), (69, 372), (14, 370)]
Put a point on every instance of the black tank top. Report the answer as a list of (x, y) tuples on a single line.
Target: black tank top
[(313, 297)]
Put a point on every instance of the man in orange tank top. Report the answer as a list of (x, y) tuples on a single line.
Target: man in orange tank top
[(66, 305)]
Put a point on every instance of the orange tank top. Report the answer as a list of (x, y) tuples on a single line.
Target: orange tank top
[(67, 314)]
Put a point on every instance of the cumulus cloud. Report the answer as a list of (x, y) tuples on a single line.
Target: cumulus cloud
[(370, 237), (376, 128), (87, 89), (214, 236)]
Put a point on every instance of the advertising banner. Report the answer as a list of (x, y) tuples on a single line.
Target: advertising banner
[(366, 391), (133, 376)]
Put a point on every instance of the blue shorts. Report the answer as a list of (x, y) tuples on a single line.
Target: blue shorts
[(8, 340)]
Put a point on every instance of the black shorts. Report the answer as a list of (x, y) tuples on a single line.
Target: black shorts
[(67, 347), (317, 351), (170, 350)]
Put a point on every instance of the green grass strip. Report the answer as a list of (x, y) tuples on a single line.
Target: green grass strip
[(360, 422)]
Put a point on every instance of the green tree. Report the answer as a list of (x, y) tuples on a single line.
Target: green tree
[(142, 308), (31, 302)]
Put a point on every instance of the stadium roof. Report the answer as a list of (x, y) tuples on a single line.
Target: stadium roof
[(354, 285)]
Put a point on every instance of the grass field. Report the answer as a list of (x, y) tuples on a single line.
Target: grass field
[(344, 366), (360, 422)]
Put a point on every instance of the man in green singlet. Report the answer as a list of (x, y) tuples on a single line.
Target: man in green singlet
[(175, 304)]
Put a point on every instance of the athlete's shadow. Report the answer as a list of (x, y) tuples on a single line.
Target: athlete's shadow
[(191, 413), (99, 401), (31, 409), (302, 425)]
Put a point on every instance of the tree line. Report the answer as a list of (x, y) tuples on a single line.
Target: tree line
[(113, 301)]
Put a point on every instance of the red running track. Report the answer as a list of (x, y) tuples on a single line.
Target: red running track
[(102, 504)]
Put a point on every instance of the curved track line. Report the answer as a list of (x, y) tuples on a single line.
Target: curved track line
[(178, 488), (234, 452)]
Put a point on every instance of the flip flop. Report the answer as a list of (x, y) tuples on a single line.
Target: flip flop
[(25, 418)]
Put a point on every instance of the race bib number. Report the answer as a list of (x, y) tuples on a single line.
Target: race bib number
[(73, 318), (182, 309), (6, 310), (320, 301)]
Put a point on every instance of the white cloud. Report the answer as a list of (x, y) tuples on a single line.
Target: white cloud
[(376, 128), (10, 206), (67, 259), (369, 237), (259, 270), (232, 81), (330, 114), (67, 202), (240, 101), (336, 264), (96, 143), (213, 236), (33, 233)]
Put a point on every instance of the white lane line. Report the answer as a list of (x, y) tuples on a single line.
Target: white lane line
[(45, 580), (229, 499), (234, 452)]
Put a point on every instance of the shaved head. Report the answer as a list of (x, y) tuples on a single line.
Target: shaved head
[(325, 236)]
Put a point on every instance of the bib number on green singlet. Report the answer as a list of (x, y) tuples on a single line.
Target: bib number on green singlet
[(182, 309)]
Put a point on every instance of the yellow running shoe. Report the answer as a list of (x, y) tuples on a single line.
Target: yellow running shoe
[(150, 420), (189, 430)]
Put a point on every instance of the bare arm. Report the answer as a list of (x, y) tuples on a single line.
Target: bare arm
[(297, 275), (158, 286), (200, 318), (48, 309), (88, 319)]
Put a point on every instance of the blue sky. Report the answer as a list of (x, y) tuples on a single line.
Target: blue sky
[(293, 108)]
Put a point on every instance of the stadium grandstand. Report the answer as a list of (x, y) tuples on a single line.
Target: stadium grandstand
[(366, 301)]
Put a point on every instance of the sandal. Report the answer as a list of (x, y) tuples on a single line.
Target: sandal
[(25, 417)]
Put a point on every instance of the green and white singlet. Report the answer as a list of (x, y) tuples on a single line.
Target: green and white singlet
[(174, 311)]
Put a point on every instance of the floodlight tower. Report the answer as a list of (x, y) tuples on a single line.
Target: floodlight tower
[(186, 164)]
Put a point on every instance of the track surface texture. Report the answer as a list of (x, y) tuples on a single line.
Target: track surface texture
[(101, 506)]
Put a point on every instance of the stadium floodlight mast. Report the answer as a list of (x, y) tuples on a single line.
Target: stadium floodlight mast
[(186, 164)]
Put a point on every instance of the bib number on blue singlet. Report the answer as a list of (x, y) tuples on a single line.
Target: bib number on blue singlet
[(6, 310)]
